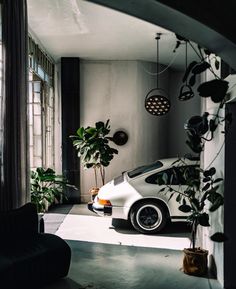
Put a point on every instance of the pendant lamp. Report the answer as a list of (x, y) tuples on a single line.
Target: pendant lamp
[(156, 101), (186, 91)]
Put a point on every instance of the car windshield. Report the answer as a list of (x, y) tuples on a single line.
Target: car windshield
[(144, 169)]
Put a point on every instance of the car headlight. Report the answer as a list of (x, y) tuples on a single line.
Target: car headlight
[(104, 202)]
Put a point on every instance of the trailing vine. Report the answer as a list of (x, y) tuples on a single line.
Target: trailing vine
[(201, 128), (202, 185)]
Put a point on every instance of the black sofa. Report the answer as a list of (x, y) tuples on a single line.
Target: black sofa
[(29, 259)]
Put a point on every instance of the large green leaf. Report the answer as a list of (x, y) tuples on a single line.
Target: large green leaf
[(107, 126), (90, 131), (201, 67), (188, 70), (216, 204), (218, 180), (178, 198), (206, 187), (204, 220), (99, 125), (80, 132), (219, 237), (185, 208)]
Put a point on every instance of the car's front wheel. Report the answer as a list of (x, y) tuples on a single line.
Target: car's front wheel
[(148, 217)]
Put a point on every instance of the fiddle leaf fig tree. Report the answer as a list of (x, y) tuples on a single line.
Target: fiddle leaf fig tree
[(94, 151)]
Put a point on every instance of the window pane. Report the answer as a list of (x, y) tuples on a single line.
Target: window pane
[(174, 176), (37, 125), (38, 162), (38, 146), (41, 114), (144, 169), (37, 109)]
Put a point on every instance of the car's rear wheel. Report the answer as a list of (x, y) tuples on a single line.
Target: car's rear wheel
[(148, 217)]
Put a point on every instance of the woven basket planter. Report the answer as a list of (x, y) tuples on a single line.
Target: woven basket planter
[(195, 261)]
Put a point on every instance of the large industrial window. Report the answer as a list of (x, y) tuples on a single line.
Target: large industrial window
[(41, 109)]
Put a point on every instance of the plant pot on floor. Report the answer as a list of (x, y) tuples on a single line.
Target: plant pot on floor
[(195, 261), (93, 192)]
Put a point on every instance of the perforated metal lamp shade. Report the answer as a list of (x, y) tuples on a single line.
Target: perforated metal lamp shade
[(156, 102)]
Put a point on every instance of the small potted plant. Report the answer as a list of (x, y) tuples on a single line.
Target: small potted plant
[(46, 188), (92, 144), (200, 197)]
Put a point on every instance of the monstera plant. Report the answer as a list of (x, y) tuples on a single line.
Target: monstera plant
[(94, 151)]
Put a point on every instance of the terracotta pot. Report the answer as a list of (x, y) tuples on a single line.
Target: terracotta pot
[(195, 261), (93, 192)]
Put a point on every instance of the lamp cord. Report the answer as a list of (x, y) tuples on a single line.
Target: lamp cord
[(160, 72), (186, 58), (157, 39)]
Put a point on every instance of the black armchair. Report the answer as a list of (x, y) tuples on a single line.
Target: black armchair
[(29, 259)]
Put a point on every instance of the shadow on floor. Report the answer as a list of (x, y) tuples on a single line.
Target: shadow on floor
[(68, 283), (60, 209), (176, 229)]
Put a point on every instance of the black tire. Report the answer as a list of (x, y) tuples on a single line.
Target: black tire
[(148, 217), (121, 224)]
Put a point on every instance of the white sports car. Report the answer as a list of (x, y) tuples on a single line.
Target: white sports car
[(135, 195)]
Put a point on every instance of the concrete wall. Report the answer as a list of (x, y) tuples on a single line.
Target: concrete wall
[(212, 149), (116, 90), (214, 156), (181, 111)]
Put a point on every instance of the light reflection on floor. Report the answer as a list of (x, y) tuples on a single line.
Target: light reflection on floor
[(100, 230)]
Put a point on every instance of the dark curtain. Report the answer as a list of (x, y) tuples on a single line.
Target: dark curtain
[(14, 139)]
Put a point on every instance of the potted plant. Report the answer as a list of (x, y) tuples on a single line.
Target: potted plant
[(46, 188), (199, 200), (200, 197), (92, 144)]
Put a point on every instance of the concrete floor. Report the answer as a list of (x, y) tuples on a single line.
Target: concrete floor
[(104, 266)]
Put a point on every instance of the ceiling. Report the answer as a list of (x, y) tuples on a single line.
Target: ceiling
[(76, 28)]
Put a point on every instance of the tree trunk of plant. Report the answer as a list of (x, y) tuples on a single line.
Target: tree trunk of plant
[(102, 172), (194, 233), (96, 177)]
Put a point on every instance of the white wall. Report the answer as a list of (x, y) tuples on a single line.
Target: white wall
[(181, 111), (217, 218), (213, 156), (116, 90)]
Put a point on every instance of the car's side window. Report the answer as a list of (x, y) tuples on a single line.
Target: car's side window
[(154, 178), (173, 176)]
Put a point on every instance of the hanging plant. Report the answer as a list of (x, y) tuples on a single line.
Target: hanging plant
[(215, 89), (200, 128)]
